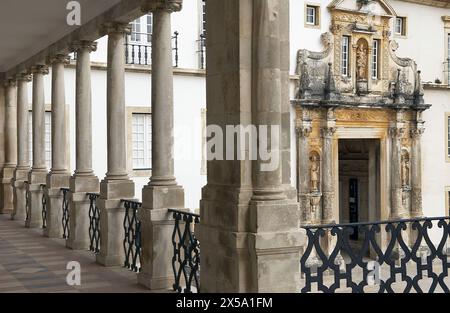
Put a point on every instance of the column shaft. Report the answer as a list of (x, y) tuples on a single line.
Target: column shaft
[(162, 101), (10, 146), (327, 175), (59, 175), (416, 171), (23, 164), (397, 210), (116, 185), (303, 133)]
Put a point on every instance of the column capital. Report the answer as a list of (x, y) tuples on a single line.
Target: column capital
[(39, 69), (58, 58), (82, 45), (25, 77), (396, 131), (328, 132), (417, 132), (115, 28), (10, 82), (303, 131), (165, 5)]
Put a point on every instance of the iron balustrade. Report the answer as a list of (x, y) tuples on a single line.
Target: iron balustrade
[(66, 213), (139, 52), (44, 206), (202, 50), (398, 265), (94, 223), (27, 201), (132, 238), (186, 252)]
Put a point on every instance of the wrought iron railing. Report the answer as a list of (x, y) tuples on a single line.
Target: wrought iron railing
[(186, 252), (44, 206), (27, 201), (139, 51), (202, 50), (66, 213), (94, 223), (389, 257), (132, 238)]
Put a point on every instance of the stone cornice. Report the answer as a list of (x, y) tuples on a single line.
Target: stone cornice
[(434, 3), (166, 5)]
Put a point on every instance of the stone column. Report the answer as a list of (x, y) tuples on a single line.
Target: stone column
[(38, 173), (117, 184), (396, 132), (59, 175), (2, 137), (416, 168), (328, 188), (249, 230), (162, 192), (10, 146), (23, 163), (303, 131), (83, 180)]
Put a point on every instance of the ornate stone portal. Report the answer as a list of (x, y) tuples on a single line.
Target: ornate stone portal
[(358, 88)]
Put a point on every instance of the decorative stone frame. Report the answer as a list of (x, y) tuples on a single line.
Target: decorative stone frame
[(446, 20), (446, 136), (129, 122), (318, 14), (404, 35)]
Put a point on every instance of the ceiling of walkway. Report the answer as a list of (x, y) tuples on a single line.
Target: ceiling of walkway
[(29, 26)]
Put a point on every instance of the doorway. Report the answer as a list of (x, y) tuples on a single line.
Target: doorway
[(359, 183)]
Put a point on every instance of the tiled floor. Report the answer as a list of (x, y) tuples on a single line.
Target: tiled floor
[(30, 262)]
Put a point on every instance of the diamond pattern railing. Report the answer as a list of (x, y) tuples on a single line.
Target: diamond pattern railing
[(132, 239), (408, 261), (186, 252), (44, 206), (66, 213), (94, 223)]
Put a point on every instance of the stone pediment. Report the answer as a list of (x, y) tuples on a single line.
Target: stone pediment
[(373, 7)]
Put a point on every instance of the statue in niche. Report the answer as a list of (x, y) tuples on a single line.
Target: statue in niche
[(315, 173), (361, 61), (405, 170)]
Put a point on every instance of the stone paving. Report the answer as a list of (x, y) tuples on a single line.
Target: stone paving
[(30, 262)]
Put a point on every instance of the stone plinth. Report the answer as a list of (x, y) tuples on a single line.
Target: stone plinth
[(79, 211), (55, 197), (112, 214), (35, 192), (7, 195), (19, 212), (157, 228)]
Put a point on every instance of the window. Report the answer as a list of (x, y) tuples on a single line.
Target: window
[(135, 30), (149, 19), (204, 18), (48, 138), (345, 55), (142, 140), (312, 15), (375, 56), (447, 201), (447, 139), (400, 26)]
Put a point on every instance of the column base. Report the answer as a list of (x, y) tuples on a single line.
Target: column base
[(19, 212), (157, 227), (79, 211), (112, 213), (7, 192), (35, 193)]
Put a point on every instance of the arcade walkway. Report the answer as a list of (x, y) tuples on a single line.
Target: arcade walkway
[(30, 262)]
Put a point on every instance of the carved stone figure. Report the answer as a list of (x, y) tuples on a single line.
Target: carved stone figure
[(315, 173), (405, 172), (361, 61)]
